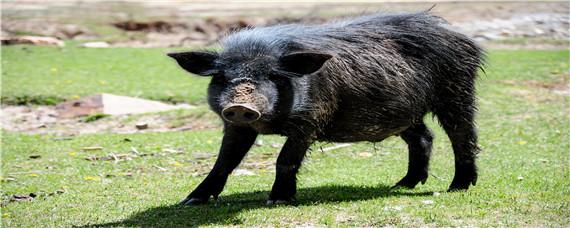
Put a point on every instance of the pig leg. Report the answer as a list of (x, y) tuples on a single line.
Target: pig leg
[(235, 144), (288, 164), (457, 118), (419, 140)]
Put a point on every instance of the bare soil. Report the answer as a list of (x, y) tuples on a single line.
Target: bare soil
[(173, 23), (45, 120)]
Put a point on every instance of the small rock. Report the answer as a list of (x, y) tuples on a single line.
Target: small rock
[(394, 208), (141, 126), (244, 172), (520, 178), (436, 194), (427, 202), (33, 40), (95, 45)]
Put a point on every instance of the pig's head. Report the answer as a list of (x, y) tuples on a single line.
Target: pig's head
[(249, 89)]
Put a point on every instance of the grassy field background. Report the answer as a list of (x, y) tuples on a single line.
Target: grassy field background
[(524, 172)]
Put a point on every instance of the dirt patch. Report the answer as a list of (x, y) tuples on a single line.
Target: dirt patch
[(153, 26), (44, 120), (179, 24), (46, 28)]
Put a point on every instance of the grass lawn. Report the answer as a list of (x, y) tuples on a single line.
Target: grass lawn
[(47, 75), (523, 181)]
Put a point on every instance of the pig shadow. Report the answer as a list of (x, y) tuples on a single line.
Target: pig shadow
[(228, 207)]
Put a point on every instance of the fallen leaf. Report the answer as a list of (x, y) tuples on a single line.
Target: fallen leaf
[(395, 208), (176, 164), (134, 150), (33, 175), (92, 158), (91, 148), (92, 178), (243, 172), (522, 142), (72, 154), (8, 179), (427, 202), (172, 151), (365, 154), (202, 155), (338, 146), (160, 168)]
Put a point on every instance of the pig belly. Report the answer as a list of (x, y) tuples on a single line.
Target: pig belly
[(359, 131)]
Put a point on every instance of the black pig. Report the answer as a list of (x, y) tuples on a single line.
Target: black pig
[(361, 79)]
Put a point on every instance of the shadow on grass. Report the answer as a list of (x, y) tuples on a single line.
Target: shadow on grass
[(225, 211)]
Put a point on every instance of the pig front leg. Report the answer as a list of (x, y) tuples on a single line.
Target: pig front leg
[(288, 164), (236, 143)]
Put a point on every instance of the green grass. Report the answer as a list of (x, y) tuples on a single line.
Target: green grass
[(46, 75), (524, 132)]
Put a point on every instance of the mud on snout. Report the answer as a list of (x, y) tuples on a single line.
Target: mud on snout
[(244, 104)]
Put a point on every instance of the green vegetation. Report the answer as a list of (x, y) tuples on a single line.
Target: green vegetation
[(94, 117), (47, 75), (523, 125)]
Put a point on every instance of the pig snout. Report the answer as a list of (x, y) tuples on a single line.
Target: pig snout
[(240, 114)]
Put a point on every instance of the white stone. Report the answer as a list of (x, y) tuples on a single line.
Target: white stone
[(99, 44)]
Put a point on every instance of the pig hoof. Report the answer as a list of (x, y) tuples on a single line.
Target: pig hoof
[(409, 182), (194, 201), (457, 186), (464, 177)]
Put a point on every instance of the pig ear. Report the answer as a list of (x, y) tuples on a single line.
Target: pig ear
[(303, 63), (200, 63)]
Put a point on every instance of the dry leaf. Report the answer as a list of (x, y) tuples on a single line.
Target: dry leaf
[(243, 172), (365, 154), (91, 148), (428, 202), (92, 178), (176, 164)]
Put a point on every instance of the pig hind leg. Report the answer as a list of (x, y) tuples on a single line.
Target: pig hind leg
[(457, 117), (419, 139)]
